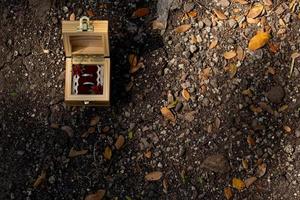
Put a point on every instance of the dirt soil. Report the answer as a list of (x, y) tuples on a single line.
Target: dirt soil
[(237, 122)]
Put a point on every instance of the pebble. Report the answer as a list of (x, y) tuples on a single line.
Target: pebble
[(65, 9), (232, 23), (188, 6), (178, 107), (289, 149), (51, 179), (159, 165), (193, 48), (54, 20), (216, 163), (186, 54), (276, 94), (297, 133), (224, 3), (207, 22), (200, 24)]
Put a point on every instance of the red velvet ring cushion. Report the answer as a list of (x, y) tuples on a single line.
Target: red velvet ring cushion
[(90, 69)]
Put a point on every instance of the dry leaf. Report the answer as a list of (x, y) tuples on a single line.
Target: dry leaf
[(166, 112), (217, 123), (120, 142), (295, 55), (148, 154), (96, 196), (255, 11), (232, 69), (250, 181), (238, 184), (268, 2), (252, 21), (240, 53), (213, 43), (220, 14), (156, 24), (247, 92), (72, 17), (259, 40), (183, 28), (186, 95), (261, 170), (54, 125), (243, 2), (94, 121), (255, 109), (283, 108), (229, 54), (228, 193), (74, 153), (68, 130), (165, 185), (287, 129), (190, 14), (250, 140), (41, 178), (273, 47), (153, 176), (271, 71), (141, 12), (107, 153), (134, 65), (90, 13), (245, 164)]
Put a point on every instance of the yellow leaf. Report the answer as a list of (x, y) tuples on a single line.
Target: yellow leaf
[(186, 95), (153, 176), (141, 12), (120, 142), (213, 43), (228, 193), (166, 112), (220, 14), (232, 69), (255, 11), (41, 178), (252, 21), (238, 184), (259, 40), (229, 54), (72, 17), (96, 196), (74, 153), (107, 153), (183, 28), (249, 181)]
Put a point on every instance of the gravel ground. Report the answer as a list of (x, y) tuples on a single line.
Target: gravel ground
[(233, 130)]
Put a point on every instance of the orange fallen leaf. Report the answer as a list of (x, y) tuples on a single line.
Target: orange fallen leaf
[(249, 181), (190, 14), (41, 178), (153, 176), (141, 12), (183, 28), (252, 21), (261, 170), (74, 153), (220, 15), (148, 154), (213, 43), (232, 69), (255, 11), (229, 54), (107, 153), (96, 196), (228, 193), (250, 140), (120, 142), (185, 94), (259, 40), (238, 184), (166, 112)]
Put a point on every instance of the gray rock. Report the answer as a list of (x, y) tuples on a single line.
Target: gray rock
[(200, 24), (232, 23), (224, 3), (186, 54), (216, 163), (65, 9), (193, 48), (207, 22), (178, 107)]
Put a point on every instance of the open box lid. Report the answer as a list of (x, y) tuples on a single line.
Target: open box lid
[(85, 37)]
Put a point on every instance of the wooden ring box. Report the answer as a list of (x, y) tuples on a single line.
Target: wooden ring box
[(86, 42)]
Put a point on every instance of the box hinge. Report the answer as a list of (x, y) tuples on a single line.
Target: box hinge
[(84, 25)]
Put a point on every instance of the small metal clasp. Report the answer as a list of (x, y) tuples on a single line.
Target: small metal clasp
[(86, 102), (84, 24)]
